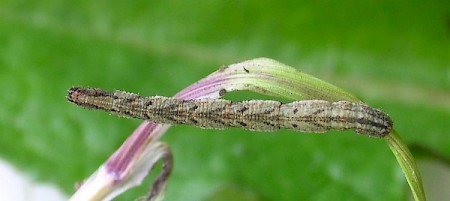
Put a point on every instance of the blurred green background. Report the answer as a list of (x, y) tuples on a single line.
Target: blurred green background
[(393, 55)]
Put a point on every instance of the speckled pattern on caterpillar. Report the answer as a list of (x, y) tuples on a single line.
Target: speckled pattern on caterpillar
[(314, 116)]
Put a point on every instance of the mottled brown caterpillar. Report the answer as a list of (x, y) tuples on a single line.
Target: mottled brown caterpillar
[(315, 116)]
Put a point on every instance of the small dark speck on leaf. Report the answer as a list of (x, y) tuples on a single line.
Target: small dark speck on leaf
[(222, 92), (246, 70)]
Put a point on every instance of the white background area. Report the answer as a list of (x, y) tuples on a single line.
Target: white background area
[(15, 186)]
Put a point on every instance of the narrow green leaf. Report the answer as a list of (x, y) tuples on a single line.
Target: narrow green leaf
[(288, 82)]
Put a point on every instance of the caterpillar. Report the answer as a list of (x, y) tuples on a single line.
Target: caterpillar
[(312, 116)]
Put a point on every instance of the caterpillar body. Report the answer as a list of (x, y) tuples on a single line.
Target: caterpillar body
[(315, 116)]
